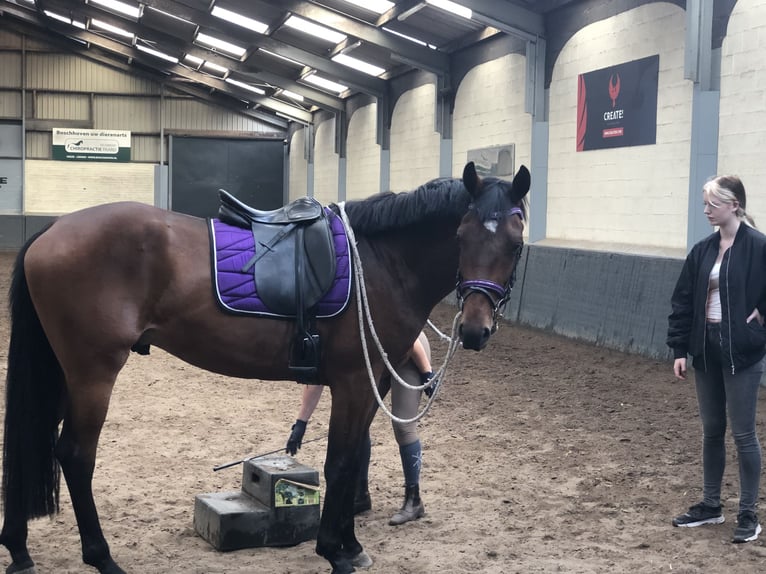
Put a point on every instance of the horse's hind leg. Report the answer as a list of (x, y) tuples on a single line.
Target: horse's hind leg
[(87, 406)]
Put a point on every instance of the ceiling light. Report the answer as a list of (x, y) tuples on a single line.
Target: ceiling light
[(65, 19), (325, 83), (193, 60), (452, 7), (240, 20), (120, 7), (377, 6), (157, 53), (410, 38), (245, 86), (222, 45), (358, 64), (314, 29), (291, 95), (220, 70), (101, 25)]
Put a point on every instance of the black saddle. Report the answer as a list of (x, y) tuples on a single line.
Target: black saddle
[(293, 265)]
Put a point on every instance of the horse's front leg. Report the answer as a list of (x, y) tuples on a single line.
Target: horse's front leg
[(349, 423)]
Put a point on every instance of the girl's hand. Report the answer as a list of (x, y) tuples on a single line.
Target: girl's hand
[(756, 314), (679, 369)]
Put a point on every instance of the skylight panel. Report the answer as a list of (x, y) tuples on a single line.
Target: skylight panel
[(240, 20), (119, 7), (377, 6), (157, 53), (313, 29), (453, 7), (358, 64), (222, 45), (325, 83), (101, 25), (245, 86)]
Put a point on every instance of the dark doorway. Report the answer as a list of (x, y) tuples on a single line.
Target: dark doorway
[(251, 170)]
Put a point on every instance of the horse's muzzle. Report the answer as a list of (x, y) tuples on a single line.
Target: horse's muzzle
[(474, 338)]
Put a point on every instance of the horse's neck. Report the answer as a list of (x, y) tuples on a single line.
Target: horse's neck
[(419, 272)]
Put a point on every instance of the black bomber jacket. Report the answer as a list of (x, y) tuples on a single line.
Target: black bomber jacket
[(742, 285)]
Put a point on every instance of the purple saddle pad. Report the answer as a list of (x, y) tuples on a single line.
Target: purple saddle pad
[(237, 290)]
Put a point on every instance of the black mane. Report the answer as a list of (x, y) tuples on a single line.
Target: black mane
[(438, 199)]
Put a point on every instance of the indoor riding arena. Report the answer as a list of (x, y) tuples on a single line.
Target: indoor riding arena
[(566, 445)]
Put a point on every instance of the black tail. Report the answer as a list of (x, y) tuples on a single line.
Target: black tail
[(34, 389)]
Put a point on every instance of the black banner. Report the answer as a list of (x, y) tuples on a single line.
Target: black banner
[(617, 106)]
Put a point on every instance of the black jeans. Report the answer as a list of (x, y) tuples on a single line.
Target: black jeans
[(718, 391)]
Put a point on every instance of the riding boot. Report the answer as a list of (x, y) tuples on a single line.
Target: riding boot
[(412, 509), (362, 501)]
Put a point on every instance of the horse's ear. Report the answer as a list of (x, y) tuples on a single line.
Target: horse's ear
[(521, 182), (471, 179)]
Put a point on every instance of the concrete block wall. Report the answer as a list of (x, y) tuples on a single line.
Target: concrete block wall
[(57, 187), (325, 164), (298, 179), (489, 111), (415, 143), (742, 125), (615, 300), (626, 194), (363, 154)]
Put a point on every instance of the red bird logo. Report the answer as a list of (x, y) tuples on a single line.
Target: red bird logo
[(614, 88)]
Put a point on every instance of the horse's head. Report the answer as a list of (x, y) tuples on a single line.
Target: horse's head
[(490, 238)]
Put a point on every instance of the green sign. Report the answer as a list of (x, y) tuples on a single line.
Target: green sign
[(91, 145)]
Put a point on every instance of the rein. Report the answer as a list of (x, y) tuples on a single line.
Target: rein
[(363, 311)]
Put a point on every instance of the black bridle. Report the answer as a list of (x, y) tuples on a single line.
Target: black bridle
[(497, 294)]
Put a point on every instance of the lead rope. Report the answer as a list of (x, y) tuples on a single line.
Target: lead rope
[(363, 311)]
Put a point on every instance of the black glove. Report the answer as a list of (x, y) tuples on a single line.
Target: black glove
[(424, 378), (296, 437)]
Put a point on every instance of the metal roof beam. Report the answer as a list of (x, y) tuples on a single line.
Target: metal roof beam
[(321, 99), (356, 80), (509, 18), (423, 58)]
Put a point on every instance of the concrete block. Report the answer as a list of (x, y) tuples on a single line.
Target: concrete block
[(235, 520), (260, 477)]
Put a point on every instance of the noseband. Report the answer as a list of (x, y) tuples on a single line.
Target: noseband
[(497, 294)]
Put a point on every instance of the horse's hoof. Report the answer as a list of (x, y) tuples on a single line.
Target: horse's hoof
[(23, 568), (343, 567), (361, 560)]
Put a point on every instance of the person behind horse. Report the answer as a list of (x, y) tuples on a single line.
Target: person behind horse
[(719, 304), (405, 402)]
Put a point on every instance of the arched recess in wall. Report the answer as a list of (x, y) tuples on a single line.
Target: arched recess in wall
[(617, 198), (742, 118)]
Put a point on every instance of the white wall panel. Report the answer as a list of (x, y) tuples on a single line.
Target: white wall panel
[(489, 111), (298, 166), (195, 115), (415, 144), (9, 40), (145, 148), (622, 195), (39, 145), (57, 187), (363, 154), (742, 124), (325, 164)]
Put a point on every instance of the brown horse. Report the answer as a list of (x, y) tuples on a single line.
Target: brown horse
[(107, 279)]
